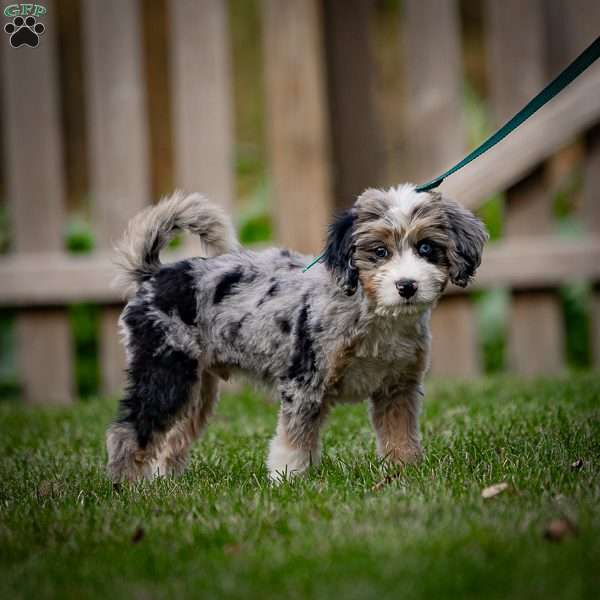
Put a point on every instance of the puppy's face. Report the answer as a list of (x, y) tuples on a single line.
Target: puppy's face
[(402, 247)]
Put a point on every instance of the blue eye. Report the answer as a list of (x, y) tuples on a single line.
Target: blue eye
[(424, 249), (381, 252)]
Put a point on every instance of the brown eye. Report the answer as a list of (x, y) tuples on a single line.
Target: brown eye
[(381, 252)]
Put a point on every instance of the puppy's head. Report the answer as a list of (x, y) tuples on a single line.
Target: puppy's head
[(403, 246)]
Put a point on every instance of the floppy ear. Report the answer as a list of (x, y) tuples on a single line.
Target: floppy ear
[(467, 236), (339, 250)]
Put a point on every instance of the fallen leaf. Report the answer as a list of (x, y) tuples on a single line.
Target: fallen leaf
[(494, 490), (47, 488), (577, 465), (138, 535), (558, 529), (232, 549)]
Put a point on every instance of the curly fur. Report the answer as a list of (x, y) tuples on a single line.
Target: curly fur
[(354, 327), (151, 230)]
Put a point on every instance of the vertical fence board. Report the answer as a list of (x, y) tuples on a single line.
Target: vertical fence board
[(45, 356), (357, 151), (202, 104), (297, 124), (118, 142), (435, 112), (435, 124), (591, 217), (454, 344), (36, 191), (572, 26), (516, 30), (156, 49)]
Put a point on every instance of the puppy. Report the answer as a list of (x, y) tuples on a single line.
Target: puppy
[(354, 327)]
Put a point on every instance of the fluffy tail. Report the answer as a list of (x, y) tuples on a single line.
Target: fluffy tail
[(152, 229)]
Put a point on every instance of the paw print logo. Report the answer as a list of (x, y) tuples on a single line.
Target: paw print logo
[(24, 32)]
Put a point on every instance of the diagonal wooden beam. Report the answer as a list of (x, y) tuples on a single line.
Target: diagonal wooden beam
[(570, 114)]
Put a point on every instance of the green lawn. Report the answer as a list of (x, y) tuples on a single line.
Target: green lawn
[(222, 531)]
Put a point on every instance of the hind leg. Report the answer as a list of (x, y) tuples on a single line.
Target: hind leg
[(173, 454), (127, 461), (160, 388)]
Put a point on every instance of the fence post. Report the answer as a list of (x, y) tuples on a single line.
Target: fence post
[(201, 90), (118, 139), (591, 215), (357, 151), (576, 26), (36, 192), (202, 103), (297, 121), (517, 54), (436, 139)]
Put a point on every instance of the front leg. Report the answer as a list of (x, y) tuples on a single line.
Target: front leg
[(394, 412), (296, 444)]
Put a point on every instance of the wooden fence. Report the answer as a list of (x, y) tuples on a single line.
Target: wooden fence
[(324, 137)]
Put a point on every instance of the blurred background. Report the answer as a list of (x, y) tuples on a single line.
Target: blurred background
[(283, 111)]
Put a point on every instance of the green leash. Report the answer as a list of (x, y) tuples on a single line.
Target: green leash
[(576, 68)]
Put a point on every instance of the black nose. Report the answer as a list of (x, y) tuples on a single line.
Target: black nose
[(406, 287)]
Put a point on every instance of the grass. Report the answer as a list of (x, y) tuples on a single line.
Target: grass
[(221, 531)]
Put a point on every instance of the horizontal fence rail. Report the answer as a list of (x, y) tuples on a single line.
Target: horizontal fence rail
[(55, 280)]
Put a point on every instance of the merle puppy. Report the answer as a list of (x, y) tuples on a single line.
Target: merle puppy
[(354, 327)]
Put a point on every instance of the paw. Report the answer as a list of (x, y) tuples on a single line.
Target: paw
[(285, 462), (24, 32), (126, 461), (405, 455), (279, 475), (171, 466)]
